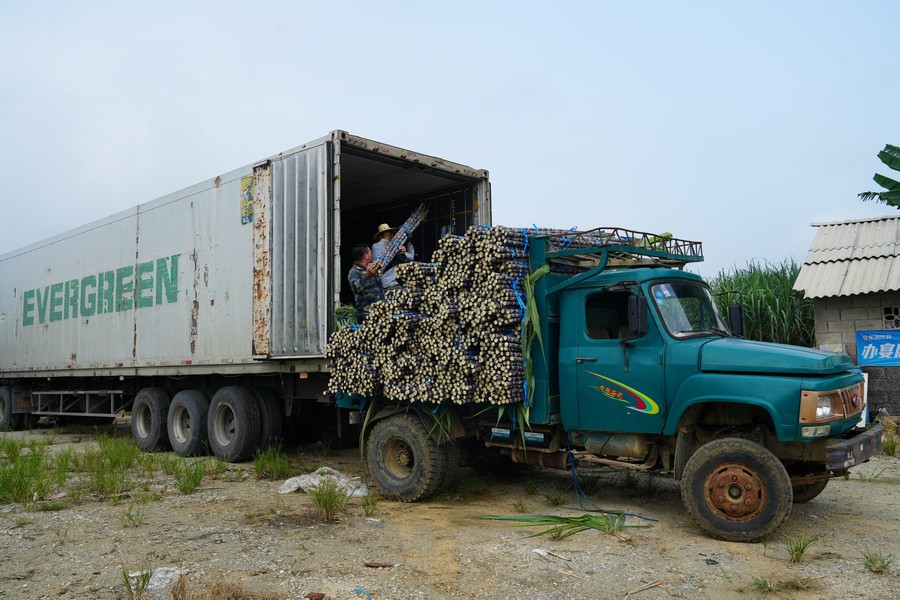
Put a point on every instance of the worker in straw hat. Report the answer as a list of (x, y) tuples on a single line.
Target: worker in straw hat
[(406, 253)]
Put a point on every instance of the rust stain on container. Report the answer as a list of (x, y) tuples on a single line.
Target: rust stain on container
[(262, 265)]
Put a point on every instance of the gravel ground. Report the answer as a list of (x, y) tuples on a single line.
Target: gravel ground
[(238, 530)]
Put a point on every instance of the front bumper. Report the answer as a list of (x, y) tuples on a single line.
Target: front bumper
[(856, 450)]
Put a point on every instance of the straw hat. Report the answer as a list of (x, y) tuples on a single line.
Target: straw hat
[(383, 228)]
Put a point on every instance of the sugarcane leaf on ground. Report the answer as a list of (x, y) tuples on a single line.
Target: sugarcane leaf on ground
[(561, 527)]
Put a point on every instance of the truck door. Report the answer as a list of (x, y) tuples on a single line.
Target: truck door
[(619, 381)]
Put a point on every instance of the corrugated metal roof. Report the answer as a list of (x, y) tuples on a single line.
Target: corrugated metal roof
[(846, 258)]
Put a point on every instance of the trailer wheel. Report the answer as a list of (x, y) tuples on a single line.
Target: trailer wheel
[(805, 492), (736, 490), (404, 460), (6, 414), (233, 424), (186, 423), (270, 422), (148, 419)]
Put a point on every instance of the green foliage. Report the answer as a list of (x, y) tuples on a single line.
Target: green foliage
[(344, 315), (328, 498), (877, 562), (189, 475), (271, 463), (890, 156), (370, 504), (772, 312), (797, 548)]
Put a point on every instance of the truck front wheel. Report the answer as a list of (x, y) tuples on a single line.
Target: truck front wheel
[(406, 463), (736, 490)]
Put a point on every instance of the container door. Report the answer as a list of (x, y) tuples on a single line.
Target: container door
[(618, 380), (299, 240)]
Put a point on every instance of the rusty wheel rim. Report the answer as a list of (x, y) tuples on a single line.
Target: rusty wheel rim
[(735, 492), (399, 458)]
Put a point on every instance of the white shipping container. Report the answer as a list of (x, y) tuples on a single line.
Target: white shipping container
[(238, 274)]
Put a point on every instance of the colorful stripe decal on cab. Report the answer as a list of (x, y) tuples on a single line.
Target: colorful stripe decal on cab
[(623, 393)]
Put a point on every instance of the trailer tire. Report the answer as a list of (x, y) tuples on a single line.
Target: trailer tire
[(186, 423), (233, 424), (148, 419), (270, 421), (6, 414), (736, 490), (405, 461), (805, 492)]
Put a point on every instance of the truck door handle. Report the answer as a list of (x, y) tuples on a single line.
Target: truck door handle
[(580, 359)]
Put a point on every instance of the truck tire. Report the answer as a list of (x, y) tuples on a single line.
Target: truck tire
[(186, 423), (233, 424), (805, 492), (6, 414), (406, 463), (148, 419), (452, 456), (736, 490), (270, 421)]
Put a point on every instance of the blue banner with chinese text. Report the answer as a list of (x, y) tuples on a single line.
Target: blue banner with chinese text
[(878, 348)]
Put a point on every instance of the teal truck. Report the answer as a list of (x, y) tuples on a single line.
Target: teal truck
[(637, 369)]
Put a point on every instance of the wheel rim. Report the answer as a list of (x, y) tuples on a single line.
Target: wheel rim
[(735, 492), (223, 424), (143, 420), (399, 459), (181, 425)]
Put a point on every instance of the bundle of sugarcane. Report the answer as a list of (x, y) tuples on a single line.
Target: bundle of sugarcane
[(451, 333), (399, 239)]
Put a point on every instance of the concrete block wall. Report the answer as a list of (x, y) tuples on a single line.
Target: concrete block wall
[(837, 321)]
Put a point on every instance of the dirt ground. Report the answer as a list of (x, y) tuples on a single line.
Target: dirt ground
[(239, 530)]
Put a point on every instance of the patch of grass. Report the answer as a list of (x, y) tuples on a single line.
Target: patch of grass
[(556, 495), (370, 504), (590, 482), (462, 489), (133, 516), (189, 475), (629, 480), (328, 498), (530, 487), (11, 448), (870, 478), (26, 479), (271, 464), (890, 445), (53, 505), (877, 562), (22, 522), (519, 506), (136, 585), (797, 548), (216, 468), (763, 585)]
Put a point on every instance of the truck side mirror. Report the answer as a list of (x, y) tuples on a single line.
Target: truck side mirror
[(736, 319), (637, 316)]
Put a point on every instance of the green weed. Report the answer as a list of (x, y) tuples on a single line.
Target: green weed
[(136, 586), (133, 516), (890, 445), (189, 475), (872, 477), (562, 527), (877, 562), (370, 504), (519, 506), (328, 498), (797, 548), (556, 495), (271, 463)]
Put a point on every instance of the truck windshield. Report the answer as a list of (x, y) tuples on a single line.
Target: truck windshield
[(687, 310)]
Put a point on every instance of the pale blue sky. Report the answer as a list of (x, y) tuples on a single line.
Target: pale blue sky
[(736, 124)]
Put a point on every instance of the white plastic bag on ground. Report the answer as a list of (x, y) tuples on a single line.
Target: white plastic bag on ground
[(351, 486)]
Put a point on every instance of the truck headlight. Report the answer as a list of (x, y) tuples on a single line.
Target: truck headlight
[(824, 408)]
